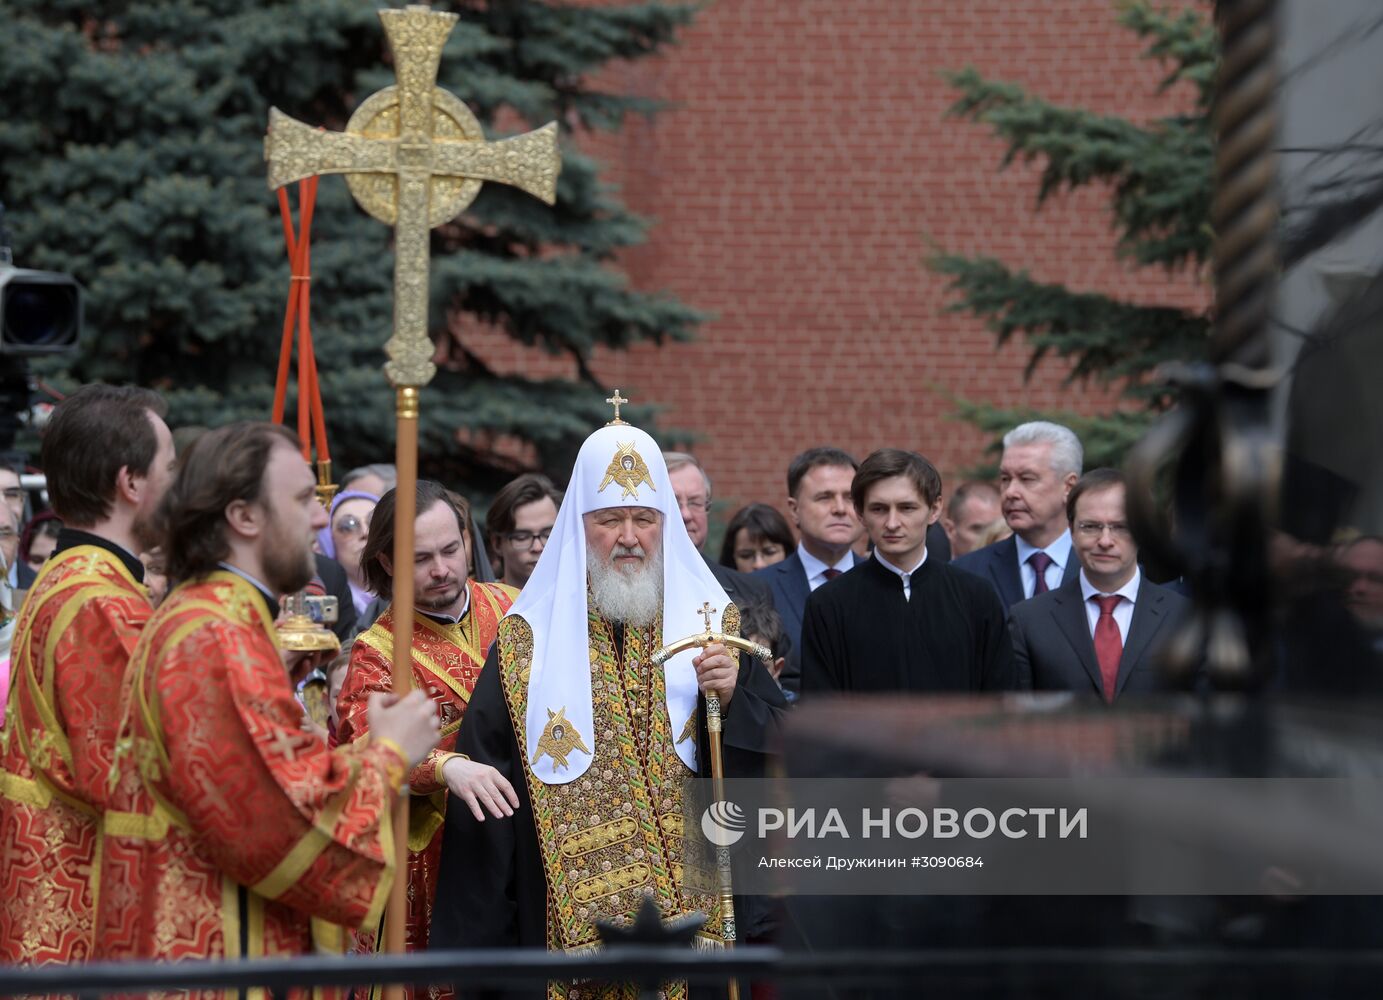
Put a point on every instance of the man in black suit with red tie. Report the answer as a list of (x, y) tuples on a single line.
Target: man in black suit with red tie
[(1098, 633)]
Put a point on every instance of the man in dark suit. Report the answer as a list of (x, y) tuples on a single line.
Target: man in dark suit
[(692, 487), (1098, 633), (819, 504), (1040, 464)]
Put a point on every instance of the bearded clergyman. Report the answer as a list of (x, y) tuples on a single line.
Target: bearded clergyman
[(594, 737)]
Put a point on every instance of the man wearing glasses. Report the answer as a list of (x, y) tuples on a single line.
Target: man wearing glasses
[(1098, 633), (519, 523), (692, 488)]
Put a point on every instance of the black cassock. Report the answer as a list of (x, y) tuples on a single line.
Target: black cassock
[(860, 633), (491, 888)]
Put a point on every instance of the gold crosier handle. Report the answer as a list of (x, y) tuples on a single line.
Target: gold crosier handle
[(701, 641)]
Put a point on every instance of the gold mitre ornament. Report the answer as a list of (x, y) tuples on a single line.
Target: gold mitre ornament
[(629, 470), (627, 467)]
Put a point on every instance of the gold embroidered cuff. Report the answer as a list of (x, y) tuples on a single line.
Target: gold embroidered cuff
[(439, 761)]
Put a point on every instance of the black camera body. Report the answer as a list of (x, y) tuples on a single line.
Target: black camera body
[(40, 311), (40, 314)]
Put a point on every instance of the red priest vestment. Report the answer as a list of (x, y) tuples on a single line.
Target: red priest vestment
[(446, 662), (230, 825), (72, 641)]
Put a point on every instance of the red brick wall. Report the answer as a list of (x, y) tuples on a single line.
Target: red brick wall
[(804, 175)]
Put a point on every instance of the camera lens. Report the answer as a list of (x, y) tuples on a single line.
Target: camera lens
[(40, 314)]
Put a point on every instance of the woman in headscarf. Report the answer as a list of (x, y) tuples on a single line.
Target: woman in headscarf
[(344, 537)]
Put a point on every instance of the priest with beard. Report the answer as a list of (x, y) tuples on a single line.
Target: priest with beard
[(229, 824), (595, 739)]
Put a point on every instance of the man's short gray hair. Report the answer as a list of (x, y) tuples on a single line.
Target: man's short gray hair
[(677, 459), (384, 470), (1067, 454)]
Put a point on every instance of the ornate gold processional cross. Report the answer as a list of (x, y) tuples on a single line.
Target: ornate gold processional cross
[(414, 157)]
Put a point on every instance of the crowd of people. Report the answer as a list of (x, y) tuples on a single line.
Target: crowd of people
[(164, 793)]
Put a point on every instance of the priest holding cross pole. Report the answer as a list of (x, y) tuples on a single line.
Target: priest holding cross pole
[(414, 157)]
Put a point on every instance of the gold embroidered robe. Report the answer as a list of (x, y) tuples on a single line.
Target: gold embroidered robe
[(446, 661), (72, 641), (590, 849), (229, 826), (614, 834)]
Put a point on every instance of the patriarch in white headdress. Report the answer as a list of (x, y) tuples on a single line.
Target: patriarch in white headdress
[(618, 546)]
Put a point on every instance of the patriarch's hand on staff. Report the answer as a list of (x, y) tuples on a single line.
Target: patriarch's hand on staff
[(717, 671), (481, 787)]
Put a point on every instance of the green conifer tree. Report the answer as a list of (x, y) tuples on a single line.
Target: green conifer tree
[(1159, 177), (131, 156)]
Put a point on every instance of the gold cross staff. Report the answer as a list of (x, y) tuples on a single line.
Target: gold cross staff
[(616, 401), (414, 157), (706, 612)]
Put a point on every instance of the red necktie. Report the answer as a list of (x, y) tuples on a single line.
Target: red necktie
[(1040, 561), (1109, 647), (830, 574)]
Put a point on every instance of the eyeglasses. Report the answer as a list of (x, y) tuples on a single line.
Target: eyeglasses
[(694, 503), (1094, 529), (524, 539), (351, 525)]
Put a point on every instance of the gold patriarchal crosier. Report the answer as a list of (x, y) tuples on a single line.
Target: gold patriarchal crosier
[(713, 731), (414, 157)]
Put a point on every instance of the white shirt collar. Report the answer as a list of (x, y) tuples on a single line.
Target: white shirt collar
[(814, 566), (1128, 591), (1059, 550), (904, 573)]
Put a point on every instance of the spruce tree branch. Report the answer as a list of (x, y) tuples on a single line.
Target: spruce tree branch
[(1184, 38), (1160, 173), (147, 190), (583, 370), (1102, 337), (1160, 179)]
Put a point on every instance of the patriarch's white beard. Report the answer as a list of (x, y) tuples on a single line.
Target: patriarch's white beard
[(633, 596)]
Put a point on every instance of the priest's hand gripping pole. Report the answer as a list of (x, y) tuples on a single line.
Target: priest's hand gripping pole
[(713, 729), (414, 157)]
